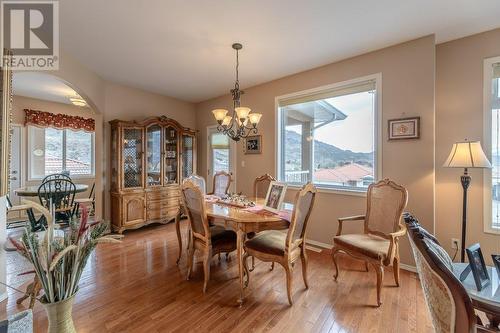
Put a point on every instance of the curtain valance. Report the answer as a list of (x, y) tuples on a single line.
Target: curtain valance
[(59, 120)]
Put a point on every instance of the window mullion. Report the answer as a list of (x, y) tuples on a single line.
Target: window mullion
[(64, 151)]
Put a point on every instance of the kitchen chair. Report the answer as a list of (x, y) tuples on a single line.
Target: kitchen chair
[(210, 240), (448, 302), (222, 180), (285, 249), (260, 187), (35, 224), (378, 244), (56, 176), (62, 193), (85, 201)]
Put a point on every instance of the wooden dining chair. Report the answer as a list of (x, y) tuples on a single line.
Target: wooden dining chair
[(378, 244), (199, 181), (261, 185), (285, 249), (90, 201), (222, 180), (448, 302), (62, 193), (210, 240)]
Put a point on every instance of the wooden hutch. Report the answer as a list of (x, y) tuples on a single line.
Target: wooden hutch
[(149, 159)]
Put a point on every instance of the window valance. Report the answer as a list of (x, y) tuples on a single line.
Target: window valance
[(62, 121)]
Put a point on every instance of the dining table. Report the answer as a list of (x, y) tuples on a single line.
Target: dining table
[(487, 299), (242, 220), (32, 190)]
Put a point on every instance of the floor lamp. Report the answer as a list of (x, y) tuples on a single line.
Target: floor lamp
[(466, 155)]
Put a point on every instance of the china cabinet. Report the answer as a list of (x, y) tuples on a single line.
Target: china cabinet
[(149, 160)]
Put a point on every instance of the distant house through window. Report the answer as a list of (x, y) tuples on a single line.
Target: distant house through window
[(55, 150), (329, 136)]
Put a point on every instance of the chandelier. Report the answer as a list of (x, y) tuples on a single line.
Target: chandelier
[(241, 123)]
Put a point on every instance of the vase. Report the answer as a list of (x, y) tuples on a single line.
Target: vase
[(60, 316)]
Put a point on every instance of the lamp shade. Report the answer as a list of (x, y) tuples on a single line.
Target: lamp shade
[(467, 155)]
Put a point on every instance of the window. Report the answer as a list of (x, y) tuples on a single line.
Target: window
[(55, 150), (329, 136), (220, 151), (494, 116)]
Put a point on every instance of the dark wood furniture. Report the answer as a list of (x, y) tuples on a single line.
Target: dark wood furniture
[(448, 301), (209, 239), (149, 160), (285, 248), (378, 244)]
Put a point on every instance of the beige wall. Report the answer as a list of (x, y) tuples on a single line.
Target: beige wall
[(125, 103), (459, 115), (408, 90), (20, 103)]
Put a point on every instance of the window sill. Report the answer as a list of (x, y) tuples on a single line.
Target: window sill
[(492, 231), (354, 193)]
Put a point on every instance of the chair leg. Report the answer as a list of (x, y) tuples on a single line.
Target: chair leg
[(206, 269), (253, 264), (219, 256), (334, 258), (395, 268), (303, 257), (227, 256), (245, 267), (189, 239), (272, 266), (190, 261), (288, 271), (380, 280), (366, 266)]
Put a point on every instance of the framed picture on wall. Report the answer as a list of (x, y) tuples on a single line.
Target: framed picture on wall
[(253, 144), (275, 196), (404, 128)]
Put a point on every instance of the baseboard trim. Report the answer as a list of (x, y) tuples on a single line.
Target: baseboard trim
[(408, 268), (319, 244)]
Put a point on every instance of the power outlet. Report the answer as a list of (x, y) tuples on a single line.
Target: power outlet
[(455, 244)]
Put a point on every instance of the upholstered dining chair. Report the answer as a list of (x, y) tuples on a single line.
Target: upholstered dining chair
[(285, 249), (222, 180), (449, 304), (210, 240), (378, 244), (260, 186), (199, 181)]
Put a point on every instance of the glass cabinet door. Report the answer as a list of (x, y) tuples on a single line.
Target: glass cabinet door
[(171, 156), (153, 155), (132, 157), (187, 155)]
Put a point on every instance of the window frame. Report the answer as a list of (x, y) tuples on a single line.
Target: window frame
[(92, 161), (487, 135), (378, 133)]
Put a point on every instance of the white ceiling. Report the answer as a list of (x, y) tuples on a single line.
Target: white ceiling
[(41, 86), (183, 48)]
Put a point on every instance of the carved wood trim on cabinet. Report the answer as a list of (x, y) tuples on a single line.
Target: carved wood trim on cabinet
[(142, 195)]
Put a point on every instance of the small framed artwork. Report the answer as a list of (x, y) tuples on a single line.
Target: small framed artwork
[(253, 144), (404, 128), (496, 262), (275, 196), (478, 267)]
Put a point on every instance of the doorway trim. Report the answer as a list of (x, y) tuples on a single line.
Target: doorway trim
[(232, 146)]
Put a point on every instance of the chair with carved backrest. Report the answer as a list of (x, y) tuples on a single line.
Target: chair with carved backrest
[(210, 240), (260, 186), (61, 193), (222, 180), (449, 304), (199, 181), (56, 176), (285, 249), (378, 244)]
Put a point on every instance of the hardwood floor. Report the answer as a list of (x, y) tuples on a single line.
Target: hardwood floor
[(137, 287)]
